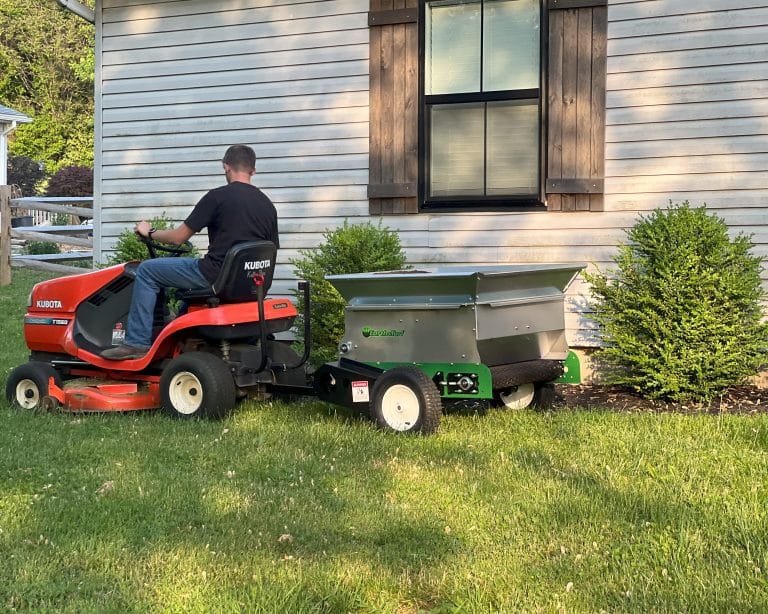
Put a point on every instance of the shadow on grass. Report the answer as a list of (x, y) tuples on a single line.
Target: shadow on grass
[(124, 512), (660, 546)]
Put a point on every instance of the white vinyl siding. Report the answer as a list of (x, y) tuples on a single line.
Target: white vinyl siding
[(180, 81)]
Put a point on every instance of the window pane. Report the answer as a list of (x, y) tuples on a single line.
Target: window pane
[(452, 47), (457, 150), (511, 45), (513, 147)]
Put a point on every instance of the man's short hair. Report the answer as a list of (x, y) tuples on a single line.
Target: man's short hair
[(241, 158)]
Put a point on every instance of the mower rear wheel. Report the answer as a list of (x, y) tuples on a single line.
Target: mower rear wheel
[(197, 385), (405, 400), (27, 385)]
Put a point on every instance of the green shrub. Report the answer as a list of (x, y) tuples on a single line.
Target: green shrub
[(34, 248), (130, 247), (353, 248), (63, 219), (681, 315)]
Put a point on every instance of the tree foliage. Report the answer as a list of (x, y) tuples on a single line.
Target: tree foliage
[(71, 181), (682, 313), (46, 72), (25, 173)]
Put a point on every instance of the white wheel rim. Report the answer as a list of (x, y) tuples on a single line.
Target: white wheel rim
[(400, 407), (27, 394), (517, 397), (185, 392)]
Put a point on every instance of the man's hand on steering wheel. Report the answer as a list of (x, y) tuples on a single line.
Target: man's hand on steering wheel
[(144, 231), (143, 228)]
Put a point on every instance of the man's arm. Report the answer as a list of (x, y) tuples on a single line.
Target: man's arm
[(175, 236)]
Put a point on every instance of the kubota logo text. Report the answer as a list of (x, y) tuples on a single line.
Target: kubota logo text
[(257, 265), (42, 304)]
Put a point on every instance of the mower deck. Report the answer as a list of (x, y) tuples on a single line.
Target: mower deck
[(105, 397)]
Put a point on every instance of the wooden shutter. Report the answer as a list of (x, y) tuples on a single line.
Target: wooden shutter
[(576, 105), (394, 98)]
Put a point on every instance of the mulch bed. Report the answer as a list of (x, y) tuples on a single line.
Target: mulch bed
[(739, 400)]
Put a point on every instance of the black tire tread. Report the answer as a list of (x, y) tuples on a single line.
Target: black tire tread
[(544, 396)]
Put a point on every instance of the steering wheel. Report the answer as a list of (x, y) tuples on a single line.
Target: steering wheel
[(154, 246)]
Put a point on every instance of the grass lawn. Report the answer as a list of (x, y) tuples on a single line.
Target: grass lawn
[(304, 507)]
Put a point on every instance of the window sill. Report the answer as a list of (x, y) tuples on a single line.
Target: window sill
[(483, 206)]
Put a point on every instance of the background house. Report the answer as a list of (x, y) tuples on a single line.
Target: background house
[(9, 119), (363, 109)]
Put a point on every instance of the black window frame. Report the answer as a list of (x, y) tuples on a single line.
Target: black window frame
[(481, 203)]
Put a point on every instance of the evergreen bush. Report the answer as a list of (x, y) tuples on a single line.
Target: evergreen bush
[(681, 314), (352, 248)]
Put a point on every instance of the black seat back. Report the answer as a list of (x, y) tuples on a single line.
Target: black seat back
[(244, 265)]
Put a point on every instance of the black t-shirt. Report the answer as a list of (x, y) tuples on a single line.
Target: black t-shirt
[(233, 213)]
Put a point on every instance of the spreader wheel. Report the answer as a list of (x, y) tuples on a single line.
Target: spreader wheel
[(515, 397), (197, 385), (407, 401), (27, 385), (540, 396)]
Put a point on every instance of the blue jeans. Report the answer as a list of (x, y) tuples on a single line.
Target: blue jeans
[(151, 277)]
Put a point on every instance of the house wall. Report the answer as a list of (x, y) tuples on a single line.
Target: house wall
[(180, 81), (686, 119), (3, 154)]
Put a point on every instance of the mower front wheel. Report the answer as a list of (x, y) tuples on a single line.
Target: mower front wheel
[(405, 400), (197, 385), (27, 385)]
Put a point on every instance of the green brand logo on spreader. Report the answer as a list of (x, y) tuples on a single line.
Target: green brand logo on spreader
[(381, 332)]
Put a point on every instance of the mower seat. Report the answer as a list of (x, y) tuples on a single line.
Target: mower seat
[(243, 263)]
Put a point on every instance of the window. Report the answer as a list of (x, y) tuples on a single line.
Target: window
[(481, 121), (462, 118)]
